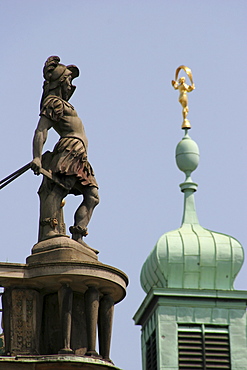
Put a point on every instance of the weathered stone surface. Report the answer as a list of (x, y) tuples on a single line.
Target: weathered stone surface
[(61, 249), (66, 170), (70, 300), (51, 341), (22, 319), (79, 325), (54, 362), (49, 277)]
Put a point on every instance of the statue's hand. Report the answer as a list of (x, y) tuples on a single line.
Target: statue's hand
[(174, 84), (36, 165)]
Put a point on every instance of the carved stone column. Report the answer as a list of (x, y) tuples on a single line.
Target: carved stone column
[(65, 299), (92, 307), (106, 309), (79, 325)]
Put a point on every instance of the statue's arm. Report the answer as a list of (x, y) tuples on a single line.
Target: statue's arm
[(191, 88), (39, 140), (175, 84)]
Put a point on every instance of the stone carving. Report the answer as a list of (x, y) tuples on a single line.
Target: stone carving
[(68, 166), (21, 320)]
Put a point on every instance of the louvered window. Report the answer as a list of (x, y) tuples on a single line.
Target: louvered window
[(203, 347), (151, 353)]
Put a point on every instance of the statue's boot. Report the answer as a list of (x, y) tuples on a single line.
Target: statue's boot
[(49, 229), (78, 232)]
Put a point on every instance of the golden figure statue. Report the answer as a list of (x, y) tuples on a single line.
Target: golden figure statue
[(183, 89)]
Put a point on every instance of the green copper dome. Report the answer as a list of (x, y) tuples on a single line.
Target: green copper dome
[(192, 257)]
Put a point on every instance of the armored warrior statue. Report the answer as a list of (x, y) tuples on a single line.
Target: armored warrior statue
[(73, 297), (70, 171)]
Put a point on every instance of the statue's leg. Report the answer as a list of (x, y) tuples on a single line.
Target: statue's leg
[(84, 212), (51, 196)]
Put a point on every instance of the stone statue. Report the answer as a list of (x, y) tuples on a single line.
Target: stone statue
[(63, 296), (184, 89), (68, 166)]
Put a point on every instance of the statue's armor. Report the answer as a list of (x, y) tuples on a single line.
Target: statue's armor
[(69, 156)]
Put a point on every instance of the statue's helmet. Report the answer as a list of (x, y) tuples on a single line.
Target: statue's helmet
[(55, 73)]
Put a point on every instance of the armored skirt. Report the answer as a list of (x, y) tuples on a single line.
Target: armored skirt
[(69, 158)]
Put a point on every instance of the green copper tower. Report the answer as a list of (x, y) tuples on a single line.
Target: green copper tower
[(192, 318)]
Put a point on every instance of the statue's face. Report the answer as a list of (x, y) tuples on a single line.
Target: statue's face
[(66, 87)]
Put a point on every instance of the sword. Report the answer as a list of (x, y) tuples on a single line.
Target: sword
[(7, 180)]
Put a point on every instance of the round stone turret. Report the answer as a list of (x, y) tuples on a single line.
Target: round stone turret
[(192, 257)]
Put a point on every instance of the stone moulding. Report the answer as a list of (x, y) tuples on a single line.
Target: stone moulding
[(78, 274), (48, 362)]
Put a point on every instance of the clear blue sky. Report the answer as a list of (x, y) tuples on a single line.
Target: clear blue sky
[(127, 52)]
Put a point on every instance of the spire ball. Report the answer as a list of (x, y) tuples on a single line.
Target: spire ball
[(187, 155)]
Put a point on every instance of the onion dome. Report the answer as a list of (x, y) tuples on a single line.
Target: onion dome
[(192, 257)]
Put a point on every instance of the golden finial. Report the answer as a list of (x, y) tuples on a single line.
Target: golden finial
[(183, 89)]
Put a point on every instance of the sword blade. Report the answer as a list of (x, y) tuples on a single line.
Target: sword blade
[(16, 173), (7, 180)]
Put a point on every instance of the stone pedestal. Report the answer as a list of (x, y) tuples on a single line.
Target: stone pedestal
[(57, 302)]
